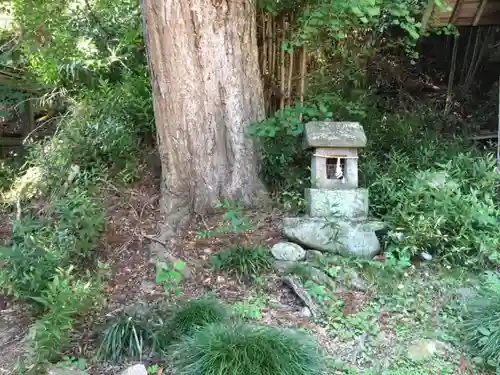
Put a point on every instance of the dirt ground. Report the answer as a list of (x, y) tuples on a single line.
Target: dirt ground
[(133, 218)]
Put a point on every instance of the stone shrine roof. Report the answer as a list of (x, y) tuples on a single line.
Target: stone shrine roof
[(334, 134)]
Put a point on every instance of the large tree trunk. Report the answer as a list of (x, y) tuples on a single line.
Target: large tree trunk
[(204, 69)]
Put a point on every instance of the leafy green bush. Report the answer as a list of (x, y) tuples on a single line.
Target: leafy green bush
[(195, 314), (447, 209), (247, 349), (129, 99), (7, 175), (284, 164), (65, 236), (64, 299), (481, 322), (242, 261), (95, 137), (87, 42)]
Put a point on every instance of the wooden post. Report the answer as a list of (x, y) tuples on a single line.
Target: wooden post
[(28, 119)]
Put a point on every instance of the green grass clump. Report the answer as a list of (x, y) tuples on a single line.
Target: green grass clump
[(481, 325), (132, 334), (127, 336), (195, 314), (240, 349), (243, 262)]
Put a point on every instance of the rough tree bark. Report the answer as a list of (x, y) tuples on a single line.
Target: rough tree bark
[(204, 71)]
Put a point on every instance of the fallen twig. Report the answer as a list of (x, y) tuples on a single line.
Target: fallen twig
[(155, 239), (295, 284)]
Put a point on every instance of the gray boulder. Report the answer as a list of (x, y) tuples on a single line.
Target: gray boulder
[(138, 369), (288, 251), (64, 370), (337, 236)]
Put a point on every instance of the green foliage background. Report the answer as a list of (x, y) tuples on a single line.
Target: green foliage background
[(87, 59)]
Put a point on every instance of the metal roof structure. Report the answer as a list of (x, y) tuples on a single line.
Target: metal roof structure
[(468, 13)]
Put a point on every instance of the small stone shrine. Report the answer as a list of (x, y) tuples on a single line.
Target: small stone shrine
[(336, 207)]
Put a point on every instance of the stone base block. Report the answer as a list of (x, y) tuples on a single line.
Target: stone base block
[(348, 237), (348, 204)]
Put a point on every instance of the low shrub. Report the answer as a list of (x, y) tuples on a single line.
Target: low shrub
[(65, 235), (448, 209), (481, 322), (247, 349), (65, 298), (127, 336), (133, 333), (101, 130), (86, 138), (243, 262), (7, 174), (284, 163), (194, 314)]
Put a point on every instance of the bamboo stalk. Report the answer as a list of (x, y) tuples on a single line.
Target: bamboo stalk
[(480, 56), (273, 50), (473, 58), (290, 67), (269, 32), (268, 62), (451, 77), (465, 65), (282, 64), (302, 76)]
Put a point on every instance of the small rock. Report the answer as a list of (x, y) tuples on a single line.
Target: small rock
[(138, 369), (314, 255), (305, 312), (303, 270), (284, 266), (426, 256), (148, 286), (220, 280), (64, 370), (421, 350), (288, 251)]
